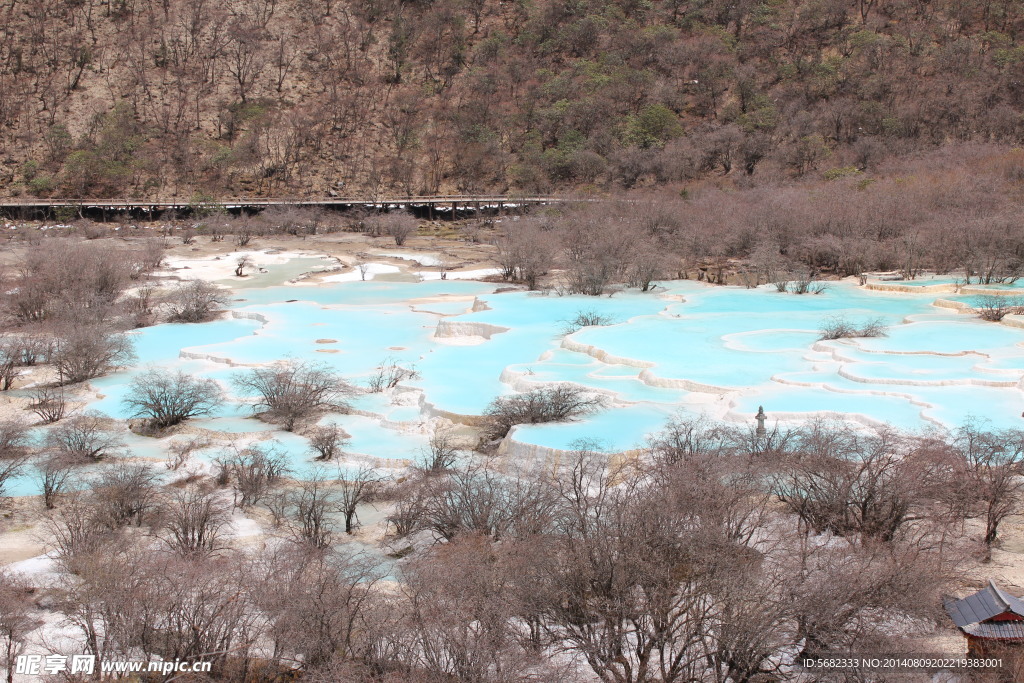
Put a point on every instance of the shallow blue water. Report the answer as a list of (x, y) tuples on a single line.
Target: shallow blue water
[(690, 348)]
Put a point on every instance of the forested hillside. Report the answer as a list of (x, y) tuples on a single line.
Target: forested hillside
[(365, 97)]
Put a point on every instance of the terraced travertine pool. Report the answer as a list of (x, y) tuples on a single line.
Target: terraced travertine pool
[(685, 348)]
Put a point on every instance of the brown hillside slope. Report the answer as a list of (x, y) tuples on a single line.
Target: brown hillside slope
[(185, 98)]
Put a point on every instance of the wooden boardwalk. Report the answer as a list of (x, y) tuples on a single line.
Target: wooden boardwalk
[(440, 205)]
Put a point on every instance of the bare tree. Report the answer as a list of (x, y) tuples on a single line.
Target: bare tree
[(995, 307), (327, 441), (398, 226), (869, 488), (290, 391), (13, 451), (205, 606), (194, 521), (321, 604), (555, 403), (195, 302), (355, 489), (839, 327), (254, 471), (152, 254), (470, 581), (8, 369), (527, 251), (126, 494), (84, 437), (310, 508), (389, 374), (993, 464), (478, 500), (409, 512), (179, 452), (77, 532), (442, 451), (242, 263), (166, 399), (689, 440), (244, 234), (16, 620), (82, 352), (49, 403), (53, 474), (21, 350), (586, 318)]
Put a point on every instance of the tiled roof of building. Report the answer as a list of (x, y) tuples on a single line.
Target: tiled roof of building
[(971, 613)]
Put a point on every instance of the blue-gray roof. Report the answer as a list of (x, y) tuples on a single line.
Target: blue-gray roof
[(969, 613)]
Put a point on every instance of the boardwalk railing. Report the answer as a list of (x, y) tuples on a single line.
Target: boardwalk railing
[(263, 202), (442, 206)]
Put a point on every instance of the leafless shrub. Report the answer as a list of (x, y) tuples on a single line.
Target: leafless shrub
[(84, 437), (193, 521), (243, 235), (323, 608), (472, 581), (690, 439), (806, 283), (152, 253), (389, 374), (555, 403), (478, 500), (993, 307), (586, 318), (166, 399), (76, 532), (49, 403), (13, 452), (204, 605), (441, 453), (179, 452), (356, 488), (195, 302), (398, 226), (53, 473), (840, 327), (527, 251), (126, 494), (864, 487), (8, 372), (241, 264), (327, 441), (29, 349), (992, 464), (21, 350), (472, 231), (254, 471), (17, 619), (140, 306), (309, 509), (67, 276), (292, 220), (86, 351), (293, 390), (410, 506)]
